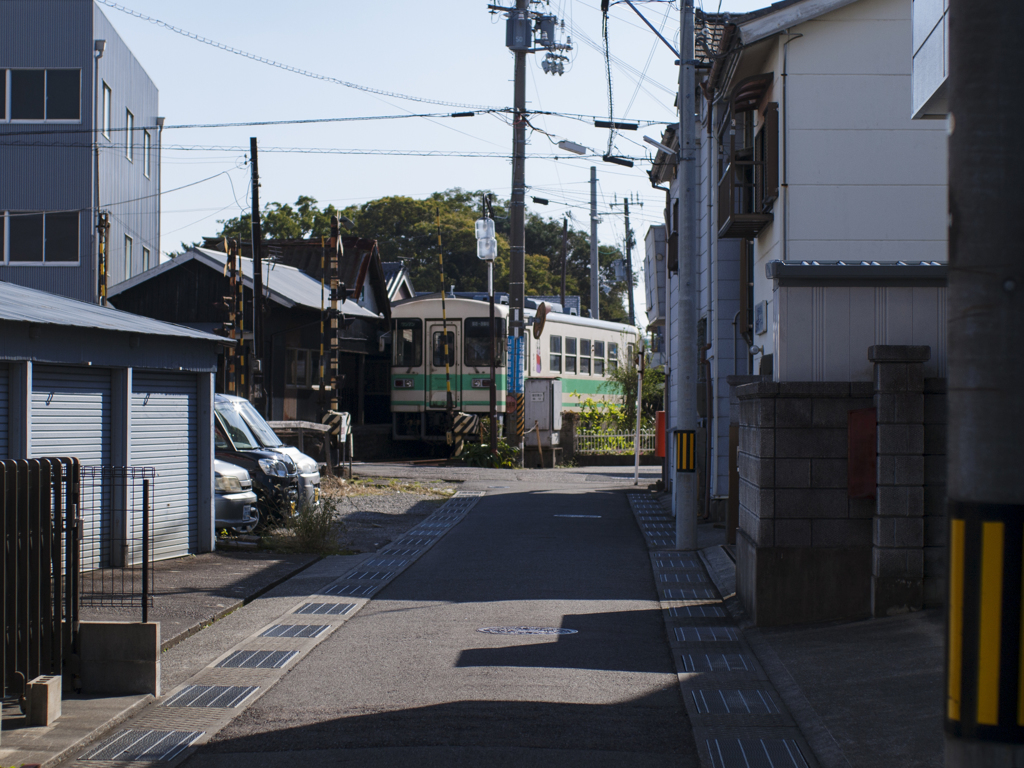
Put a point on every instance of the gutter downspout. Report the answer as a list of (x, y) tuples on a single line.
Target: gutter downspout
[(785, 153), (709, 405)]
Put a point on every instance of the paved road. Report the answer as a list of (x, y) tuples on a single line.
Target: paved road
[(410, 681)]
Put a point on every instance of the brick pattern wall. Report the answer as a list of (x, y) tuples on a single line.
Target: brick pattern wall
[(935, 525), (792, 463)]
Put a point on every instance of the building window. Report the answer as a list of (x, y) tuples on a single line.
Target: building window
[(106, 110), (129, 144), (39, 238), (40, 95), (146, 256), (147, 145), (298, 371), (128, 243), (478, 341), (408, 342), (555, 346)]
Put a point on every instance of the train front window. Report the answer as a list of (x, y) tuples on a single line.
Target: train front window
[(408, 342), (438, 348), (478, 341)]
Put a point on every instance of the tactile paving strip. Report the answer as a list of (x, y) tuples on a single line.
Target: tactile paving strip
[(705, 634), (258, 659), (131, 745), (357, 590), (296, 630), (689, 593), (326, 609), (755, 753), (715, 662), (369, 575), (697, 611), (211, 696), (717, 702)]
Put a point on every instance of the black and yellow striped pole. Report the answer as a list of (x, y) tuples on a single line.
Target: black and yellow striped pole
[(449, 412), (103, 228)]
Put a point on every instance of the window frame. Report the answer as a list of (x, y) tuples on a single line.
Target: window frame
[(129, 253), (129, 127), (499, 340), (437, 351), (292, 356), (147, 149), (7, 76), (417, 342), (108, 100), (7, 215), (147, 256)]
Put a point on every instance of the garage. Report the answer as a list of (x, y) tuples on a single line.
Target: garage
[(71, 413), (164, 415)]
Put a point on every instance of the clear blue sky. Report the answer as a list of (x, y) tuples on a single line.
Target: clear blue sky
[(452, 51)]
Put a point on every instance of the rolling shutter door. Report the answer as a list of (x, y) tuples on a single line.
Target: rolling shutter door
[(164, 437), (5, 422), (71, 417)]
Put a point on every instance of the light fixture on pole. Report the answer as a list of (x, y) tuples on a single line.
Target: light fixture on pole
[(487, 250)]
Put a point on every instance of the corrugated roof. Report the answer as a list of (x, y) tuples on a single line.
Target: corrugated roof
[(285, 285), (27, 305)]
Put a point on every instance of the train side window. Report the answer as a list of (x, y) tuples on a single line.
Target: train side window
[(478, 344), (438, 348), (584, 347), (599, 349), (570, 355), (598, 366), (585, 365), (570, 346), (408, 342), (555, 346), (613, 356), (631, 353)]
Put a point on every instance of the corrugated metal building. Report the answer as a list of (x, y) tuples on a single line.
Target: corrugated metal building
[(117, 389), (78, 134)]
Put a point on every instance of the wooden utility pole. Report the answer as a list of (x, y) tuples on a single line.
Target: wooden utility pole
[(629, 261), (257, 286), (234, 298), (565, 238)]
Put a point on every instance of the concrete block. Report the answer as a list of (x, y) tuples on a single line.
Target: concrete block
[(841, 533), (935, 531), (935, 440), (935, 470), (828, 473), (810, 443), (935, 386), (862, 389), (889, 561), (757, 471), (899, 353), (899, 501), (900, 439), (831, 413), (757, 389), (899, 408), (792, 533), (792, 473), (935, 408), (757, 441), (42, 699), (119, 658), (793, 412), (814, 389), (811, 503), (935, 501), (915, 377), (908, 470), (907, 531), (891, 377), (764, 412), (883, 532), (761, 532), (861, 508)]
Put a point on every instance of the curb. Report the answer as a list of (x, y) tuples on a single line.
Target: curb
[(100, 731)]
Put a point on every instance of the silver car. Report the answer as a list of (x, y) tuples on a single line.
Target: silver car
[(309, 470), (235, 506)]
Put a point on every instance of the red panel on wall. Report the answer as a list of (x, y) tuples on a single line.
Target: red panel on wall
[(659, 434), (861, 454)]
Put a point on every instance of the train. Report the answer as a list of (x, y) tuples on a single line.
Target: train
[(578, 350)]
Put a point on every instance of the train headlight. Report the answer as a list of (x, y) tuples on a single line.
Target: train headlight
[(481, 383), (403, 383)]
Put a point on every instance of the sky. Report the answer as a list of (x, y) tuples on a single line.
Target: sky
[(452, 52)]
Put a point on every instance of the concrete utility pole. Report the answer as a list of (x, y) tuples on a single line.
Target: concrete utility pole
[(684, 489), (985, 453), (595, 288), (565, 237), (257, 286)]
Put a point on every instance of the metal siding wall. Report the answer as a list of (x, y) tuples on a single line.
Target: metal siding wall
[(121, 179), (164, 436), (4, 409)]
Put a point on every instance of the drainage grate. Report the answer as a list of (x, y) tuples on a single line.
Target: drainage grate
[(755, 753), (358, 590), (137, 745), (526, 631), (697, 611), (705, 634), (683, 578), (693, 593), (297, 630), (715, 662), (397, 553), (386, 562), (326, 609), (211, 696), (258, 659), (710, 702), (368, 575)]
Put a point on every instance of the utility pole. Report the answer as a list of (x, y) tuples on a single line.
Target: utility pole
[(257, 286), (984, 714), (629, 259), (565, 252), (684, 491), (595, 289)]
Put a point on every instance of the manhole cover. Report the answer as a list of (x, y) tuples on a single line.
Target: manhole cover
[(526, 631)]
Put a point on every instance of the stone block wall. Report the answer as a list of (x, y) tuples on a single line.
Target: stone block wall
[(935, 525)]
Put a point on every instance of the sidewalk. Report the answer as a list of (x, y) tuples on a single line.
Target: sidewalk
[(190, 593), (863, 693)]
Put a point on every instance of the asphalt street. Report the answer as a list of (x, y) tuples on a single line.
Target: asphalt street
[(411, 680)]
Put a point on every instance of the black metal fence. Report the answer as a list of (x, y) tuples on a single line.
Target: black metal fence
[(39, 567), (117, 546)]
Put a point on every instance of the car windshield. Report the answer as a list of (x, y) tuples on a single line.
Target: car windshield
[(267, 437), (237, 430)]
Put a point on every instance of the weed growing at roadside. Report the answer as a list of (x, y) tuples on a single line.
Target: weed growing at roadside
[(314, 529)]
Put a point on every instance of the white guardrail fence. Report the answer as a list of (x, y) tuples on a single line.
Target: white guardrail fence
[(614, 442)]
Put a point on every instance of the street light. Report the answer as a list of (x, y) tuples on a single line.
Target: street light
[(487, 250)]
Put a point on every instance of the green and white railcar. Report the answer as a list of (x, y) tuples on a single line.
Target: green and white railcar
[(578, 350)]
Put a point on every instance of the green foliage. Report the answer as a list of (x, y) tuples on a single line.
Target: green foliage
[(406, 230), (313, 529), (479, 455), (599, 416)]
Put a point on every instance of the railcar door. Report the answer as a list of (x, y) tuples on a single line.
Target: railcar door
[(436, 389)]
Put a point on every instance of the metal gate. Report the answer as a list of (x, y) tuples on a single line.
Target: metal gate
[(4, 409), (39, 567), (71, 415), (164, 437)]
